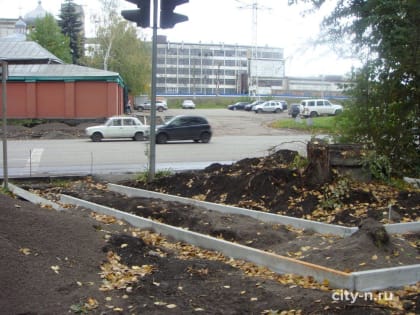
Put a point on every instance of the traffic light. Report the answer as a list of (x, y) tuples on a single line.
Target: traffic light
[(141, 16), (168, 18)]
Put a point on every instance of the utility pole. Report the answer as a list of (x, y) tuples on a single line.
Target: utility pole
[(3, 77), (168, 19)]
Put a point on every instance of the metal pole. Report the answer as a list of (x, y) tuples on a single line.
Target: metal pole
[(4, 112), (152, 138)]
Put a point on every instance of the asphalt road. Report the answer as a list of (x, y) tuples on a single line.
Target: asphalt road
[(237, 135)]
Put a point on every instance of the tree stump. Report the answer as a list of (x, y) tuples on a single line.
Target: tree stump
[(318, 171)]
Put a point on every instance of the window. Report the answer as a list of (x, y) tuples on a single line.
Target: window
[(116, 122), (129, 122)]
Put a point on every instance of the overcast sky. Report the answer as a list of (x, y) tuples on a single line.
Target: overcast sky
[(232, 22)]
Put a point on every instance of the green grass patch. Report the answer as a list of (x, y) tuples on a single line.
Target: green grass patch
[(313, 125)]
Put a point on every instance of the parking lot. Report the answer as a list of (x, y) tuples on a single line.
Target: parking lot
[(227, 122)]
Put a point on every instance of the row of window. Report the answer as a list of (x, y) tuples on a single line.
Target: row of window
[(191, 81), (237, 53), (197, 72), (180, 90), (203, 62)]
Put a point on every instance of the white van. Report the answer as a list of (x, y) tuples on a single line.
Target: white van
[(319, 107)]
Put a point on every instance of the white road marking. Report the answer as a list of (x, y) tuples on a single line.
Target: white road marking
[(35, 158)]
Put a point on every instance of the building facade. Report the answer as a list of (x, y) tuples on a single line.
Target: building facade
[(217, 69)]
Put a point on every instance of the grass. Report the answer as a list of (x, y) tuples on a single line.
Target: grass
[(319, 124)]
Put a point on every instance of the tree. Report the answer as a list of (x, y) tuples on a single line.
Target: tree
[(118, 48), (48, 34), (384, 108), (71, 23)]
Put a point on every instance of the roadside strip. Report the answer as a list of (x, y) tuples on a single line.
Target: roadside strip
[(319, 227)]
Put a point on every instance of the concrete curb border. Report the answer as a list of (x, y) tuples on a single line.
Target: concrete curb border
[(318, 227), (35, 199), (357, 281)]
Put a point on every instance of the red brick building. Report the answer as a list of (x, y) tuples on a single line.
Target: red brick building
[(41, 86)]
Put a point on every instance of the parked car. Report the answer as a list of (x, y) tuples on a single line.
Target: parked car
[(119, 127), (182, 127), (188, 104), (269, 107), (294, 110), (237, 106), (319, 107), (249, 107), (160, 106)]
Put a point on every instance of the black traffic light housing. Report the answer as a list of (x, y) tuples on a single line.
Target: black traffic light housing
[(168, 18), (141, 16)]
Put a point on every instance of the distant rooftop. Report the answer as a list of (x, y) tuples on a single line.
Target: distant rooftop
[(16, 52)]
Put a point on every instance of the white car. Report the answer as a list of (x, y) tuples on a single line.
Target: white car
[(160, 106), (188, 104), (269, 107), (319, 107), (119, 127)]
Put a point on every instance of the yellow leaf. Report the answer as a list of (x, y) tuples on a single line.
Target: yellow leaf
[(124, 245), (25, 251), (118, 309), (171, 306), (55, 268), (92, 301), (362, 264), (374, 257)]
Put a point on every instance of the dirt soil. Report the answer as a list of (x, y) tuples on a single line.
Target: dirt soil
[(76, 261)]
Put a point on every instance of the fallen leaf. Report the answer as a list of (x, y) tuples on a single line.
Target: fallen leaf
[(55, 269), (25, 251)]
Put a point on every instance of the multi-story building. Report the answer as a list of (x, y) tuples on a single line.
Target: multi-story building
[(217, 69)]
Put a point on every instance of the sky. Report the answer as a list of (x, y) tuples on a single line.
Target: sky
[(272, 23)]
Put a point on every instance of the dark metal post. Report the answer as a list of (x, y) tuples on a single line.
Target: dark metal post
[(152, 138), (4, 112)]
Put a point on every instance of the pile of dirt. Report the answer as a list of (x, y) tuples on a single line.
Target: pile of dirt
[(276, 184), (50, 130)]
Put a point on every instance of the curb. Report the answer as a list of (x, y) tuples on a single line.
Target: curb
[(35, 199), (318, 227)]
